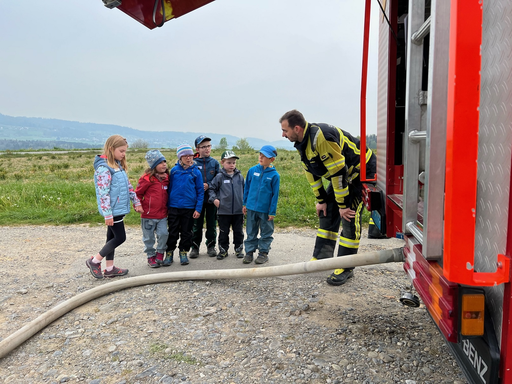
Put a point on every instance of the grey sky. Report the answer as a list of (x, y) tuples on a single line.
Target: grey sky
[(232, 66)]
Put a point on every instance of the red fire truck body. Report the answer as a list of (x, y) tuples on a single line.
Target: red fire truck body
[(444, 136)]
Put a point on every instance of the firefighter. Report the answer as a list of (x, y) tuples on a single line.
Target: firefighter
[(328, 152)]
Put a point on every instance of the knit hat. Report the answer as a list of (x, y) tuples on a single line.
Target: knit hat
[(268, 151), (183, 150), (154, 157), (228, 155), (200, 139)]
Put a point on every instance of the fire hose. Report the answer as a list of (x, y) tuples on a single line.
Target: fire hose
[(26, 332)]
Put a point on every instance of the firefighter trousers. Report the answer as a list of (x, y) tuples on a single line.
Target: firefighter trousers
[(327, 234)]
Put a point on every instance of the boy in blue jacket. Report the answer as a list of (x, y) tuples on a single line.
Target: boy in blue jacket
[(186, 193), (260, 204)]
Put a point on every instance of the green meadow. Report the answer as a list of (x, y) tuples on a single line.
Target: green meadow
[(57, 188)]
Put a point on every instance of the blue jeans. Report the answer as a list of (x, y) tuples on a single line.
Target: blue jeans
[(258, 222), (149, 228)]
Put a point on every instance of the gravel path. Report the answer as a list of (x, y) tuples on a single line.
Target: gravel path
[(294, 329)]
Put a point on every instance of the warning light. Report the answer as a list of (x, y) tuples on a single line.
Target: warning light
[(472, 315)]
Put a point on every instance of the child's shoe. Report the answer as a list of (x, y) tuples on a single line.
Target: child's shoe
[(248, 258), (183, 258), (168, 259), (194, 253), (159, 258), (222, 255), (95, 268), (212, 252), (239, 252), (152, 262), (115, 272), (262, 258)]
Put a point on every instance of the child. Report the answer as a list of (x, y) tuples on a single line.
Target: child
[(186, 192), (209, 167), (152, 192), (227, 193), (113, 194), (260, 203)]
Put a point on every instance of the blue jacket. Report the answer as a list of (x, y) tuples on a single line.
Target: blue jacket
[(113, 189), (208, 166), (186, 188), (262, 189)]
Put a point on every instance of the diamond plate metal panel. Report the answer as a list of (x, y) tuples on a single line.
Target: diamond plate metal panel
[(494, 152)]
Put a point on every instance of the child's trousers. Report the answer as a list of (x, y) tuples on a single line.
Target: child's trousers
[(258, 222), (150, 228), (237, 223), (180, 223)]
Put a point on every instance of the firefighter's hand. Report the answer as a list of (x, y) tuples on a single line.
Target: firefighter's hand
[(196, 215), (321, 208), (347, 214)]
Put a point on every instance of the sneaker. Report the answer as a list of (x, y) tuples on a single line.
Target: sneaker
[(248, 258), (212, 252), (340, 276), (222, 255), (239, 252), (262, 258), (183, 258), (94, 268), (115, 272), (168, 259), (159, 258), (194, 253), (152, 262)]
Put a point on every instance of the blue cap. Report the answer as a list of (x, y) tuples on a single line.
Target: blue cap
[(268, 151), (200, 139)]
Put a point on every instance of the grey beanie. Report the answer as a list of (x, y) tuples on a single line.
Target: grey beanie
[(154, 157)]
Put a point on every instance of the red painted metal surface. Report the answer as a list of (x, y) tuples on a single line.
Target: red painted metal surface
[(506, 337), (144, 10), (439, 295), (364, 75), (462, 149)]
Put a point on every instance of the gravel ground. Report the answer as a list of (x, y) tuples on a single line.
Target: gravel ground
[(292, 329)]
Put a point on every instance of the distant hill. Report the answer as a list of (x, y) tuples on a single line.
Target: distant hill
[(39, 133)]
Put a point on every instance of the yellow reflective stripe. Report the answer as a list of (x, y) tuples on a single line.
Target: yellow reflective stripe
[(336, 164), (368, 155), (327, 234), (317, 184), (357, 219), (352, 146), (349, 243), (371, 221), (341, 193), (354, 176)]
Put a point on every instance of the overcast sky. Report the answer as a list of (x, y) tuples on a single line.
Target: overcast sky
[(232, 66)]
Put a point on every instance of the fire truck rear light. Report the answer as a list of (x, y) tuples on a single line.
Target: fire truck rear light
[(472, 315)]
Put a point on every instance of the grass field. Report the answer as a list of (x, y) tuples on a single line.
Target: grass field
[(58, 188)]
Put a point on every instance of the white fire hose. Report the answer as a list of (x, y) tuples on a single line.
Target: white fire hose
[(23, 334)]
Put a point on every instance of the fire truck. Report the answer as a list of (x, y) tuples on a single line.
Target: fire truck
[(444, 134)]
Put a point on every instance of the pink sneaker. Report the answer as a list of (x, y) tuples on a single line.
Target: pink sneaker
[(159, 258), (115, 272), (152, 262), (94, 268)]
